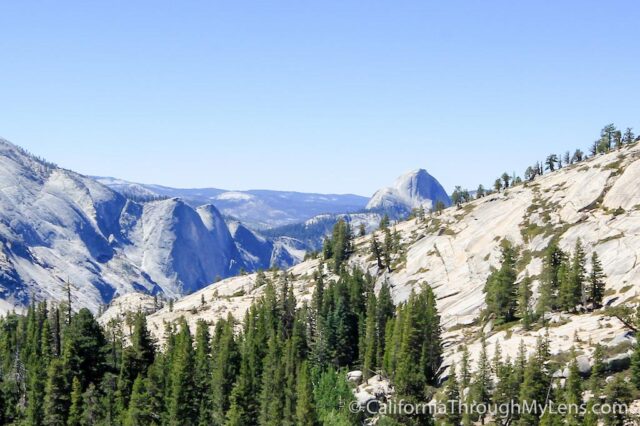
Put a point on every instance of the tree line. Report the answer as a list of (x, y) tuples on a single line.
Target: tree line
[(610, 139)]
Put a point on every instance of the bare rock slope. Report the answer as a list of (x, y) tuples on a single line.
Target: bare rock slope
[(597, 200)]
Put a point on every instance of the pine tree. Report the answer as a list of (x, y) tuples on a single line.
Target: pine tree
[(500, 288), (181, 394), (225, 368), (506, 389), (453, 415), (617, 393), (202, 373), (305, 407), (385, 310), (497, 185), (550, 280), (375, 251), (551, 162), (271, 397), (84, 348), (573, 393), (56, 399), (596, 282), (535, 387), (140, 412), (384, 222), (578, 274), (465, 370), (370, 349), (420, 351), (597, 369), (92, 408), (628, 137), (635, 365), (482, 385), (524, 301), (388, 248), (76, 409)]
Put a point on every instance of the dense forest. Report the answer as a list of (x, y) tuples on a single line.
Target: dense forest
[(282, 365)]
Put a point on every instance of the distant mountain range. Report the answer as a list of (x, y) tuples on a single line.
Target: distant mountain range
[(109, 237), (258, 209)]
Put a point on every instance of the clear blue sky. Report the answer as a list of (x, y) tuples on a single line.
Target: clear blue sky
[(326, 96)]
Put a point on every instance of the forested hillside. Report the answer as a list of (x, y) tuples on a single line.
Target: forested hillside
[(525, 294)]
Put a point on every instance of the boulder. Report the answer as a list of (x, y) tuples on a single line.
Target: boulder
[(619, 362), (355, 376), (584, 365)]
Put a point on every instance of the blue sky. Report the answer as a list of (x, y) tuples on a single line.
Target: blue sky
[(325, 96)]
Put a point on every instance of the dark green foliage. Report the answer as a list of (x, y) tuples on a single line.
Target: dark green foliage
[(76, 409), (181, 394), (338, 247), (453, 416), (617, 392), (553, 260), (524, 301), (140, 411), (595, 292), (413, 355), (500, 288), (535, 387)]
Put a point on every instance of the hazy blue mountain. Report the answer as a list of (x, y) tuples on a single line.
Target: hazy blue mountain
[(258, 209)]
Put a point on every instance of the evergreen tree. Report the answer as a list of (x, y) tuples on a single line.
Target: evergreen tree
[(482, 385), (551, 162), (305, 407), (617, 393), (628, 137), (524, 301), (505, 179), (536, 384), (550, 280), (370, 349), (419, 355), (578, 156), (202, 373), (573, 393), (84, 349), (76, 409), (578, 274), (497, 185), (597, 369), (140, 411), (385, 310), (453, 415), (384, 222), (596, 282), (506, 390), (271, 398), (56, 399), (465, 370), (225, 368), (500, 289), (181, 393)]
